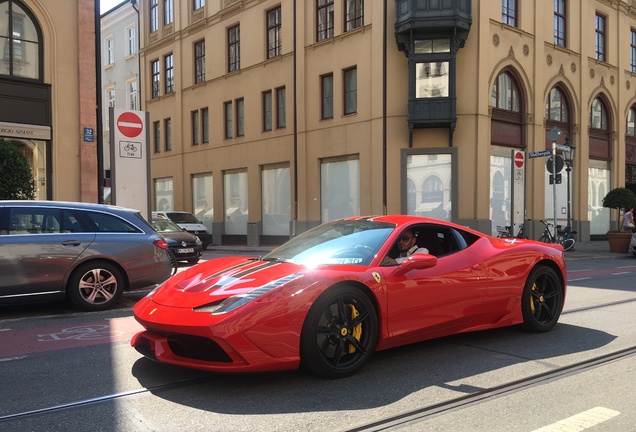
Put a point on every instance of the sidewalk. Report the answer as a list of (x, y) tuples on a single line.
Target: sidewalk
[(583, 251)]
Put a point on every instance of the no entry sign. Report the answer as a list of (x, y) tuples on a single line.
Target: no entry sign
[(129, 124), (519, 159)]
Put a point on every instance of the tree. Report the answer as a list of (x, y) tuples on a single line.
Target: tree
[(619, 198), (16, 181)]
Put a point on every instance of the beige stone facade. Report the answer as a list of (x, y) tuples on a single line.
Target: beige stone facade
[(369, 161), (48, 94)]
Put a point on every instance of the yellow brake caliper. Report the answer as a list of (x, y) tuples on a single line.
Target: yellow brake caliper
[(357, 330), (534, 287)]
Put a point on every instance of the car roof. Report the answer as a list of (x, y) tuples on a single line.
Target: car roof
[(67, 204)]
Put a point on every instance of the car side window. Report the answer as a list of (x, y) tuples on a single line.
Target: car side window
[(34, 220), (108, 223)]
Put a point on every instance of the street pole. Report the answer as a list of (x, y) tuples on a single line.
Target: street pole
[(567, 171), (554, 188)]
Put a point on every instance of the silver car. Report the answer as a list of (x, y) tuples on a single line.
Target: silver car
[(88, 253)]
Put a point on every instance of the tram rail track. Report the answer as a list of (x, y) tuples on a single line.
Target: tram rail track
[(390, 422)]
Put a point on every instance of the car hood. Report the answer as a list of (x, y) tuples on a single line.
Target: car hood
[(219, 279)]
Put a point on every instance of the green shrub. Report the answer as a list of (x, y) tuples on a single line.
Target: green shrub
[(16, 181)]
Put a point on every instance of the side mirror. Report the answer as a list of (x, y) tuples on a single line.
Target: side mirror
[(418, 261)]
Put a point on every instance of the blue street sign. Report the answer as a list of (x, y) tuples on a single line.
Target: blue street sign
[(89, 135), (540, 154)]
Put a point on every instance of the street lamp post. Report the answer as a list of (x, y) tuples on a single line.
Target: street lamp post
[(568, 157)]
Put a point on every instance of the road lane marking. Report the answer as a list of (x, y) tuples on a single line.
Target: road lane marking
[(581, 421)]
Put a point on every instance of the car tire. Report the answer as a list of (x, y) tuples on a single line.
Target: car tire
[(339, 333), (95, 286), (542, 300)]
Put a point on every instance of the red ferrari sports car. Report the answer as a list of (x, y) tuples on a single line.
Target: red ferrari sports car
[(330, 297)]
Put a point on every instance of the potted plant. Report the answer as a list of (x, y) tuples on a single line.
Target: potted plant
[(619, 198)]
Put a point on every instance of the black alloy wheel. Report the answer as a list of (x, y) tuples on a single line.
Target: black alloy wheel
[(339, 333), (542, 300)]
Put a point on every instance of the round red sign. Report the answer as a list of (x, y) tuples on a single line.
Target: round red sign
[(519, 159), (129, 124)]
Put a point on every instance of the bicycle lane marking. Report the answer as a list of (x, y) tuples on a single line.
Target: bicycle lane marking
[(15, 343)]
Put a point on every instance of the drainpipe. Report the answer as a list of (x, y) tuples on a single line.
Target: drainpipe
[(384, 109), (295, 216), (98, 100), (135, 6)]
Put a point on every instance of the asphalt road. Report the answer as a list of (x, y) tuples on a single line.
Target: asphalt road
[(63, 370)]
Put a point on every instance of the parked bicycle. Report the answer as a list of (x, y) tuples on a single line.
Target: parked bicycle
[(507, 231), (564, 237)]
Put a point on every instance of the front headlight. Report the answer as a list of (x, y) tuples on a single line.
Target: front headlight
[(235, 302), (198, 241)]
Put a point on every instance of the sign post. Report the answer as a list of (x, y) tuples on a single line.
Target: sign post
[(554, 135), (518, 190)]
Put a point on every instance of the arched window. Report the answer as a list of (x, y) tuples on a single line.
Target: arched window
[(433, 190), (630, 147), (600, 130), (631, 121), (20, 42), (598, 115), (557, 113), (505, 94), (507, 126), (557, 107)]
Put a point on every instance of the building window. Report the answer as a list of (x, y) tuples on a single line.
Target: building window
[(110, 94), (156, 127), (205, 125), (168, 12), (354, 14), (267, 110), (156, 83), (202, 198), (132, 95), (559, 23), (164, 193), (20, 38), (324, 19), (197, 4), (632, 51), (631, 121), (227, 110), (600, 31), (273, 32), (168, 65), (326, 90), (432, 79), (234, 48), (598, 115), (281, 108), (505, 95), (110, 51), (351, 91), (557, 108), (240, 117), (276, 200), (195, 127), (509, 12), (154, 15), (199, 62), (339, 188), (167, 123), (235, 200), (131, 36)]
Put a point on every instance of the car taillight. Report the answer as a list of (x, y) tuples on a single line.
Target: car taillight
[(162, 244)]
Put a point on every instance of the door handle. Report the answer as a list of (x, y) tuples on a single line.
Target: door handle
[(71, 243)]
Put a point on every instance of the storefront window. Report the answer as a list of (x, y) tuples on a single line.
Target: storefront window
[(430, 177), (235, 201), (339, 188), (276, 201), (202, 202), (164, 194)]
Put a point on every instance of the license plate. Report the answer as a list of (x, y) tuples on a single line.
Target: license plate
[(186, 250)]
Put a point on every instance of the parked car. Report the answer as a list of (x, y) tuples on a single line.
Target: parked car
[(88, 253), (330, 297), (188, 221), (183, 245)]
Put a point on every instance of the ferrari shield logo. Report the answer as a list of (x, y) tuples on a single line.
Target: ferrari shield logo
[(376, 276)]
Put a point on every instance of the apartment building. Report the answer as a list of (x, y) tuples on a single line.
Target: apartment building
[(269, 117), (48, 93)]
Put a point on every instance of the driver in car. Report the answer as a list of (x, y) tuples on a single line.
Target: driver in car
[(407, 245)]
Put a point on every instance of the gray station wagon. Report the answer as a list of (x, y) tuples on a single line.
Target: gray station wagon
[(88, 253)]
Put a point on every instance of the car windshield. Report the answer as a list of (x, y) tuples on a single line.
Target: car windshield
[(183, 218), (338, 242), (166, 226)]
